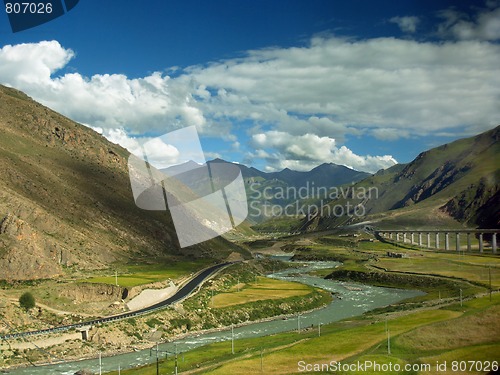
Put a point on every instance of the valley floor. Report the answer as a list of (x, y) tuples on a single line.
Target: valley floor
[(454, 321)]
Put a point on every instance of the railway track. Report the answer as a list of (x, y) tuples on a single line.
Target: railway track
[(182, 293)]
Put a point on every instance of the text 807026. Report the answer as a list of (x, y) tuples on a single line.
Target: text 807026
[(30, 8)]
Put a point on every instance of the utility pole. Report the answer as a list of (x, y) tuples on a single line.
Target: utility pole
[(232, 340), (158, 351), (175, 345), (261, 361), (116, 277), (388, 342), (319, 330), (157, 361), (298, 323), (100, 364), (489, 277), (119, 370)]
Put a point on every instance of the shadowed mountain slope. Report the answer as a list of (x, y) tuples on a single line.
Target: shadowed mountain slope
[(454, 184), (66, 203)]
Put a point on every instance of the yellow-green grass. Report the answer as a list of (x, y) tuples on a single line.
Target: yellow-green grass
[(458, 265), (349, 341), (335, 252), (262, 289), (330, 346), (360, 343), (475, 358), (477, 326), (282, 352), (473, 268), (480, 327), (145, 274)]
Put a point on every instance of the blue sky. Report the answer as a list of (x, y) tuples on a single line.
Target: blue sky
[(272, 84)]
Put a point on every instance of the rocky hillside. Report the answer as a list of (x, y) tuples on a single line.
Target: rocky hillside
[(65, 199), (454, 184)]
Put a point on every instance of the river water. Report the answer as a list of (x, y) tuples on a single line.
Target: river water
[(355, 299)]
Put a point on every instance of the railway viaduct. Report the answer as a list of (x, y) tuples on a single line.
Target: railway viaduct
[(461, 239)]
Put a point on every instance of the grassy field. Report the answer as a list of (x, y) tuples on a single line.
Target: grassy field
[(457, 331), (145, 274), (469, 268), (356, 256), (467, 332), (262, 289)]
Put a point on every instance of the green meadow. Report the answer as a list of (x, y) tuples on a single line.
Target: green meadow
[(426, 333), (135, 275), (422, 338)]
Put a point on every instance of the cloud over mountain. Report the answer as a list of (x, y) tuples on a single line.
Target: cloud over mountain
[(315, 95)]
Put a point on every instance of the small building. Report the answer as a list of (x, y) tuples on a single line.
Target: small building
[(391, 254), (85, 332)]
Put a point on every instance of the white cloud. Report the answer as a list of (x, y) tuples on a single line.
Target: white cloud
[(304, 152), (485, 25), (420, 87), (390, 134), (407, 24), (31, 65), (314, 94), (154, 102), (160, 154), (304, 147), (330, 88), (366, 163)]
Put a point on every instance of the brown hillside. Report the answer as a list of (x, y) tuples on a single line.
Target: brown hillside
[(66, 202)]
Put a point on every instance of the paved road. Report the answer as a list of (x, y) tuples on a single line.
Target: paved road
[(183, 292)]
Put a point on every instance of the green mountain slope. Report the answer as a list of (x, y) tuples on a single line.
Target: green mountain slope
[(270, 193), (452, 185), (65, 199)]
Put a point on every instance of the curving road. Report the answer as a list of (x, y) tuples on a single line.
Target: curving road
[(182, 293)]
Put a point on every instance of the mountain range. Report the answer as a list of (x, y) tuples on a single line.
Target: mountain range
[(456, 184), (326, 174), (66, 205)]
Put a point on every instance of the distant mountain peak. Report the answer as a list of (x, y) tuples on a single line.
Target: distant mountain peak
[(219, 160)]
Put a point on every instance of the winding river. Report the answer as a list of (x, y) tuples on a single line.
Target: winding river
[(355, 299)]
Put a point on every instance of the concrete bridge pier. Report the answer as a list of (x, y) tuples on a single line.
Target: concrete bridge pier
[(409, 236)]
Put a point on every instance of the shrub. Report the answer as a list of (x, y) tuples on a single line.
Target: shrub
[(154, 322), (27, 301)]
